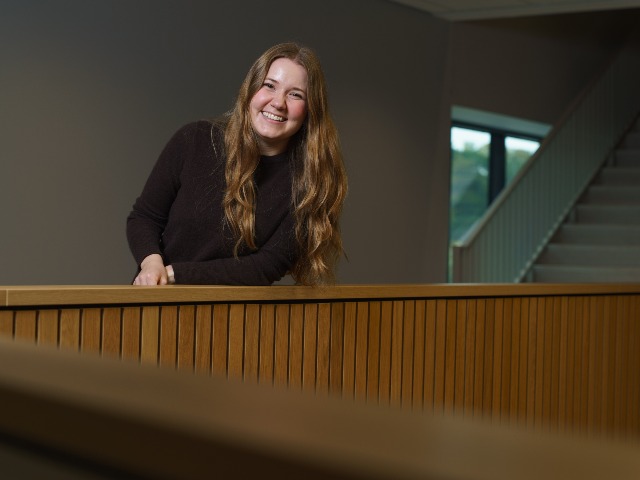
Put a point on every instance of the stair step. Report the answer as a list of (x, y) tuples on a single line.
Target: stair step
[(573, 274), (628, 157), (619, 176), (590, 255), (617, 194), (608, 214), (586, 234)]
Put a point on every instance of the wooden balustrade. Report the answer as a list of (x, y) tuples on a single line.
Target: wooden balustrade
[(546, 357)]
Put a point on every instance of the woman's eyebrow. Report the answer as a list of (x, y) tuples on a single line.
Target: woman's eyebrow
[(273, 80)]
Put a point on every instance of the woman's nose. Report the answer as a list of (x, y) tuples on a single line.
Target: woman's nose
[(278, 101)]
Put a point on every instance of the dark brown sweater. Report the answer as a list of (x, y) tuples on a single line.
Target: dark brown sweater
[(180, 216)]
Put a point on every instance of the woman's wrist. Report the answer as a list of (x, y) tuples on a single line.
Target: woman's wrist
[(153, 258)]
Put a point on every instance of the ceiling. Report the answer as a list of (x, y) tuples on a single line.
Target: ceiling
[(459, 10)]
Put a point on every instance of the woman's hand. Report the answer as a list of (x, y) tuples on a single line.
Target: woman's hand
[(152, 271)]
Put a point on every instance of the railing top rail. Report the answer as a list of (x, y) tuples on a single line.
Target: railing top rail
[(23, 296)]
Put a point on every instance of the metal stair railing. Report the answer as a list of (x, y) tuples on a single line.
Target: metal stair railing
[(503, 244)]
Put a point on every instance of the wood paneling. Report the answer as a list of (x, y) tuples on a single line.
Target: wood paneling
[(567, 362)]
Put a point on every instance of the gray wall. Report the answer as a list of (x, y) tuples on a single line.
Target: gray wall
[(91, 90), (533, 67)]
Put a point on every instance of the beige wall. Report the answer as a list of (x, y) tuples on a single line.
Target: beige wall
[(91, 90)]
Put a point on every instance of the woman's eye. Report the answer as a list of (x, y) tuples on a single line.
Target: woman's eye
[(268, 85), (297, 95)]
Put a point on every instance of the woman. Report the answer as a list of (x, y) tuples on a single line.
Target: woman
[(252, 196)]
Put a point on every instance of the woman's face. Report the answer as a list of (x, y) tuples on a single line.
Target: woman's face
[(279, 107)]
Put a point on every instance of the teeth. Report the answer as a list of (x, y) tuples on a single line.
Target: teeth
[(271, 116)]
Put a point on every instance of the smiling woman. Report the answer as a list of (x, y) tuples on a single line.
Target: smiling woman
[(253, 195)]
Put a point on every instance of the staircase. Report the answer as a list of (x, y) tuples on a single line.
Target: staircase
[(600, 241)]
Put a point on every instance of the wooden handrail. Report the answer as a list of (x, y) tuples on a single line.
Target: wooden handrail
[(118, 419), (59, 295)]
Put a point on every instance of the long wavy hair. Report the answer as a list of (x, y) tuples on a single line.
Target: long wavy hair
[(319, 177)]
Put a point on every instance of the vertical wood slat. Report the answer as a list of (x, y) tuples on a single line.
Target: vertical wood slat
[(150, 335), (168, 336), (6, 323), (281, 359), (523, 364), (553, 362), (251, 342), (130, 341), (429, 402), (469, 357), (349, 350), (584, 366), (111, 332), (185, 345), (296, 345), (460, 347), (408, 320), (310, 347), (571, 364), (386, 339), (373, 352), (47, 327), (479, 371), (336, 347), (554, 381), (420, 352), (267, 344), (70, 328), (25, 325), (515, 361), (91, 330), (619, 367), (450, 356), (235, 341), (361, 351), (220, 339), (323, 348), (396, 357), (496, 396), (551, 349), (203, 333), (440, 356), (540, 363), (507, 359)]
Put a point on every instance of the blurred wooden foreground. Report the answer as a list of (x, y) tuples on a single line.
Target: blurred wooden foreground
[(80, 417), (560, 358)]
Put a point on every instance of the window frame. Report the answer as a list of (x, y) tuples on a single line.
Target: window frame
[(497, 153)]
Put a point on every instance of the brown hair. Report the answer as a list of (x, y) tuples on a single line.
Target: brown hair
[(319, 178)]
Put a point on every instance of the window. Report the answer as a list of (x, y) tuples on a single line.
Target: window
[(518, 151), (487, 152), (469, 179)]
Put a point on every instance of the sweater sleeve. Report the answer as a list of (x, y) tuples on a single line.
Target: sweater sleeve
[(147, 220), (268, 264)]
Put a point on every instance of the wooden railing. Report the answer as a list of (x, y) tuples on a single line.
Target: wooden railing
[(545, 357)]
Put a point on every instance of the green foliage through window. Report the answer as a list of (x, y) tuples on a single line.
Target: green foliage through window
[(472, 167)]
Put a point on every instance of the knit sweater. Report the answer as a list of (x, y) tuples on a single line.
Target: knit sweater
[(180, 215)]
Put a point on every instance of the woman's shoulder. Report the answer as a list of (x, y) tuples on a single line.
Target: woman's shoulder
[(199, 132), (198, 127)]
